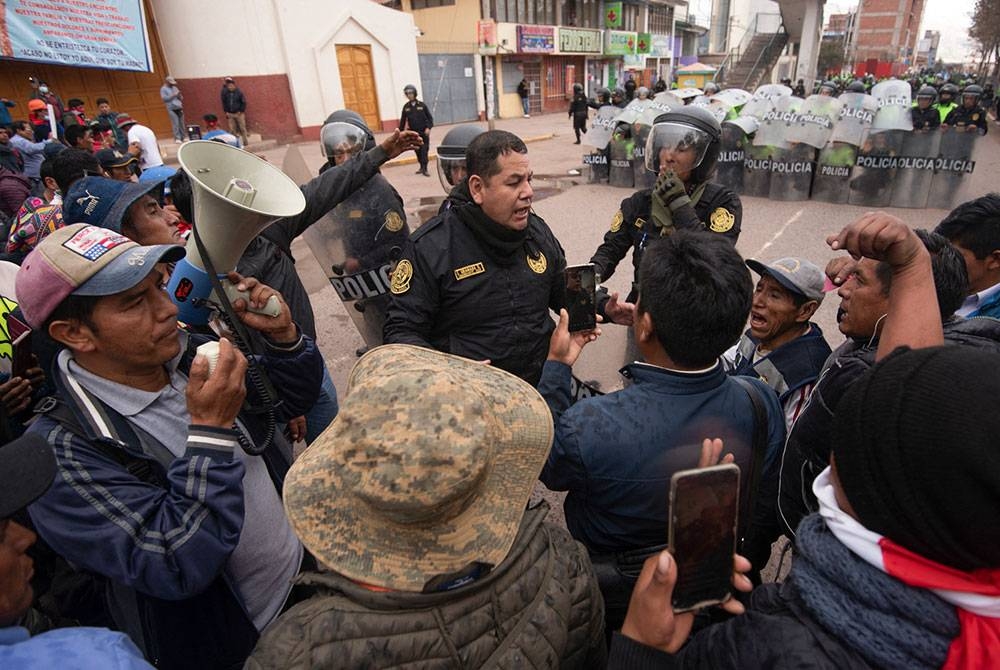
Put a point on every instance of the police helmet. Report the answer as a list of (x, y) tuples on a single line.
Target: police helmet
[(603, 95), (451, 154), (974, 90), (856, 86), (619, 92), (345, 132), (949, 89), (409, 88), (693, 129), (828, 86), (927, 92), (711, 88), (578, 88), (642, 92)]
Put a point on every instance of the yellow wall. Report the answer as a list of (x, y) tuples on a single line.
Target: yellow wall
[(450, 29)]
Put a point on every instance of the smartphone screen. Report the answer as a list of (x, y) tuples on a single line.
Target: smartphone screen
[(20, 337), (703, 508), (581, 301)]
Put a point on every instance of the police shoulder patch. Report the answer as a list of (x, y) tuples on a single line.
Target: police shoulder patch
[(616, 223), (393, 221), (538, 265), (401, 276), (721, 220)]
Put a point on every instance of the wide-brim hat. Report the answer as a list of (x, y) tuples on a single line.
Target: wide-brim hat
[(426, 469)]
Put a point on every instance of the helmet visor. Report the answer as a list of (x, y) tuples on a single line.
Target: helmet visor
[(341, 140), (676, 147), (451, 171)]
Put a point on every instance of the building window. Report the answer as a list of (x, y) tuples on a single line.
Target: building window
[(424, 4), (660, 19)]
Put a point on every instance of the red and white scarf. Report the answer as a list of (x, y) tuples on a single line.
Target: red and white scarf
[(975, 595)]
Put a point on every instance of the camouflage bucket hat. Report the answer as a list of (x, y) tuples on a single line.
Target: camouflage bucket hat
[(427, 468)]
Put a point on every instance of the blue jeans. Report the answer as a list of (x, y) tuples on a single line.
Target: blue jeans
[(526, 105), (324, 411)]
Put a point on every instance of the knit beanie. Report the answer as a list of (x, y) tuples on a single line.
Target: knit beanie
[(917, 453)]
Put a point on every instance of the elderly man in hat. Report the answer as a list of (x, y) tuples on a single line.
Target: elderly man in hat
[(782, 347), (168, 492), (414, 500), (900, 568)]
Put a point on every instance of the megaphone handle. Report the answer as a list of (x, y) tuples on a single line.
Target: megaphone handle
[(272, 308)]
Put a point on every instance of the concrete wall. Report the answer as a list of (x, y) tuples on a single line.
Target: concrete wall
[(283, 55), (450, 29)]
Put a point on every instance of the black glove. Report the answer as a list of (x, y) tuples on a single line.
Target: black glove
[(670, 192)]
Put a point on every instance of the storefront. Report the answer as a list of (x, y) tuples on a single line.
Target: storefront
[(577, 47), (617, 45)]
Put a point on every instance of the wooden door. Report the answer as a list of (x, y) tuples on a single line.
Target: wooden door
[(357, 77)]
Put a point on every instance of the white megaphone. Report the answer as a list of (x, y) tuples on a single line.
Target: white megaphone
[(235, 196)]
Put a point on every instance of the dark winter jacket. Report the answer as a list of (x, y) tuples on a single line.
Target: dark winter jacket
[(540, 608), (233, 101), (14, 189)]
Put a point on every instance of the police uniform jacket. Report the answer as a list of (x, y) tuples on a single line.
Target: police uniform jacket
[(454, 294), (925, 119), (961, 117), (579, 106), (416, 116), (718, 210)]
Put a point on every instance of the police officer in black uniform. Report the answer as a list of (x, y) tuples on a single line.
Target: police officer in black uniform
[(478, 280), (578, 111), (683, 147), (416, 116), (925, 115), (618, 98), (453, 169), (969, 116)]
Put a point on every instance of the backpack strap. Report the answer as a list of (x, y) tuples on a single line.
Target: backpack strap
[(758, 448)]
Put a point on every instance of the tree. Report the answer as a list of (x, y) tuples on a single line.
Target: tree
[(831, 56), (985, 31)]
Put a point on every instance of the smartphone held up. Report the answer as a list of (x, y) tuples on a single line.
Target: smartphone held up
[(702, 535), (581, 297)]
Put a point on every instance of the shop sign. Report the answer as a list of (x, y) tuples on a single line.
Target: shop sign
[(619, 42), (577, 41), (536, 39)]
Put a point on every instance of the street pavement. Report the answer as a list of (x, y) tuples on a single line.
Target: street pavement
[(580, 214)]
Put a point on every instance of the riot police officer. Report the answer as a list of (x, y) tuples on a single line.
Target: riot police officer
[(970, 116), (618, 98), (828, 88), (946, 101), (682, 148), (452, 170), (417, 117), (578, 110), (858, 86), (925, 116), (603, 98)]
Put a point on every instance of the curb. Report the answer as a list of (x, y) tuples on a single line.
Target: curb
[(410, 160)]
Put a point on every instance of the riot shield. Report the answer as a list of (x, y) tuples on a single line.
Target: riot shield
[(772, 91), (757, 170), (955, 161), (831, 179), (641, 177), (684, 93), (893, 99), (856, 115), (602, 124), (596, 372), (791, 172), (732, 152), (875, 169), (632, 111), (774, 124), (620, 158), (814, 121), (661, 104), (358, 244), (597, 161), (717, 108), (915, 169)]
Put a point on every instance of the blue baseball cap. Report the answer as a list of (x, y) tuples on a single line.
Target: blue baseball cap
[(103, 202)]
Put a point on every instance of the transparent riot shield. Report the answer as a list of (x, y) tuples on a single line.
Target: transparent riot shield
[(358, 244), (620, 158), (893, 99), (719, 109), (597, 164), (915, 169), (596, 372), (641, 177), (661, 104), (857, 113), (791, 172), (814, 121), (831, 179), (775, 123), (734, 97), (732, 153), (602, 125), (632, 111), (757, 170), (875, 169), (956, 160)]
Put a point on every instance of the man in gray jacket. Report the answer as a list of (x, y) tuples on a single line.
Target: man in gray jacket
[(174, 100)]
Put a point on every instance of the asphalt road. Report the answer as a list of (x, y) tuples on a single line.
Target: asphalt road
[(580, 213)]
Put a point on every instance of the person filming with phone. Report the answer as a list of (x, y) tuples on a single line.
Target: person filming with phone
[(900, 567), (615, 454)]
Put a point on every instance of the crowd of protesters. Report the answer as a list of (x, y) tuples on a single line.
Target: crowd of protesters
[(148, 517)]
